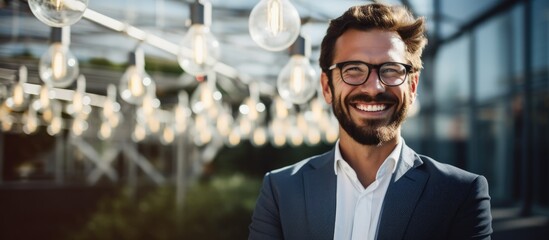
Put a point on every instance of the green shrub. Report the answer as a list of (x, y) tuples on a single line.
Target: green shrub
[(215, 208)]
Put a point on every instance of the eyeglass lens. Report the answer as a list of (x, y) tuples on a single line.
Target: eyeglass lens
[(357, 73)]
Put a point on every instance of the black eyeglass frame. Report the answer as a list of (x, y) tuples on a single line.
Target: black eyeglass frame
[(407, 67)]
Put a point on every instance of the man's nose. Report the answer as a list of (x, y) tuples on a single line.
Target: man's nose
[(373, 84)]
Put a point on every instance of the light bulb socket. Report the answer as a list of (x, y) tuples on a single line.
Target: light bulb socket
[(56, 35), (136, 57), (301, 46), (60, 35), (201, 13), (132, 58)]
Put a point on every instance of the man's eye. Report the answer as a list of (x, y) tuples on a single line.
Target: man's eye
[(353, 69), (390, 70)]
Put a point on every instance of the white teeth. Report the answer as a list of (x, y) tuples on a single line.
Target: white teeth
[(371, 108)]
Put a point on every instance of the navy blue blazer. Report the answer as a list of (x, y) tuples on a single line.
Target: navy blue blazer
[(430, 201)]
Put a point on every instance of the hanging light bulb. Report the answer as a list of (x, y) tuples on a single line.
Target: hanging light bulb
[(45, 96), (139, 132), (150, 102), (7, 123), (111, 108), (296, 137), (225, 122), (80, 101), (317, 109), (234, 138), (79, 126), (56, 124), (274, 24), (199, 48), (18, 99), (58, 13), (105, 131), (135, 81), (313, 136), (332, 131), (58, 67), (31, 120), (153, 124), (168, 135), (202, 129), (259, 137), (278, 129), (297, 80), (206, 99)]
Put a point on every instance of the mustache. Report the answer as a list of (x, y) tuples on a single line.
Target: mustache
[(382, 97)]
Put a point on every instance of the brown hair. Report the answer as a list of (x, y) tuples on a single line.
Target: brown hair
[(377, 16)]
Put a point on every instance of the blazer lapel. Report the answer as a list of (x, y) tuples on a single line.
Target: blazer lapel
[(320, 197), (401, 197)]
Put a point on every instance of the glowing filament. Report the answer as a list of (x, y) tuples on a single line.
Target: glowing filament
[(199, 53), (58, 4), (296, 80), (44, 96), (58, 65), (259, 137), (105, 131), (274, 17), (18, 95), (168, 135), (135, 84)]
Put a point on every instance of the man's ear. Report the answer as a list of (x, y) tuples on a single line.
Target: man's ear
[(326, 90), (414, 81)]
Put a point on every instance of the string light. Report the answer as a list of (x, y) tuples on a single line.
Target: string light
[(274, 24), (135, 81), (199, 49), (58, 67), (297, 81), (58, 13), (18, 98)]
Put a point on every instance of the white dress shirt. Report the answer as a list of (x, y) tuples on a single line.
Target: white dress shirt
[(358, 208)]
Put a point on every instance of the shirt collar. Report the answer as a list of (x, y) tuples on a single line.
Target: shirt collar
[(388, 165)]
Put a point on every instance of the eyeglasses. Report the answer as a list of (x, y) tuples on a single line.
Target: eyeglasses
[(357, 72)]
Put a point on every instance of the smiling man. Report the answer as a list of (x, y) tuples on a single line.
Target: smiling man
[(371, 185)]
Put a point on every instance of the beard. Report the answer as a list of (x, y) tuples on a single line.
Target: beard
[(371, 131)]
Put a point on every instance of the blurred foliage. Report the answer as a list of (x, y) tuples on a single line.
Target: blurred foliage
[(151, 64), (103, 62), (256, 161), (214, 208), (161, 65)]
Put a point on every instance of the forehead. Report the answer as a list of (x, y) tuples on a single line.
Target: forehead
[(374, 46)]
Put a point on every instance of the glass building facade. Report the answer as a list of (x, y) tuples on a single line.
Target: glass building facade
[(485, 97)]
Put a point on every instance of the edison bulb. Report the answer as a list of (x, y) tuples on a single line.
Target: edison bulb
[(18, 99), (133, 85), (135, 81), (274, 24), (31, 120), (259, 137), (297, 80), (58, 13), (204, 50), (58, 67), (168, 135)]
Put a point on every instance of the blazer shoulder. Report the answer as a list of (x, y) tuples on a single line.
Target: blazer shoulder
[(304, 165), (447, 171)]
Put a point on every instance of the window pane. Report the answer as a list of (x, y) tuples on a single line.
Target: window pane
[(452, 134), (540, 38), (497, 127), (452, 74), (493, 58)]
